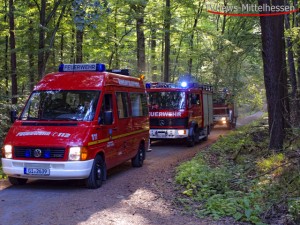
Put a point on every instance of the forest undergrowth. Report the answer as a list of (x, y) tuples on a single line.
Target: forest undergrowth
[(239, 177)]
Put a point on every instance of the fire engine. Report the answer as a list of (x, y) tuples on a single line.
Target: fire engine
[(77, 124), (180, 111), (225, 111)]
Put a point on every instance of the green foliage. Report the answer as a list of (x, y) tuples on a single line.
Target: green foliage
[(2, 175), (213, 187), (294, 209), (200, 180), (4, 122), (239, 177)]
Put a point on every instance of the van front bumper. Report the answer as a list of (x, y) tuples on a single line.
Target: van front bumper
[(57, 170), (168, 133)]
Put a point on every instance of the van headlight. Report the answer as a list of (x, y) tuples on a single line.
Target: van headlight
[(181, 132), (77, 153), (7, 151)]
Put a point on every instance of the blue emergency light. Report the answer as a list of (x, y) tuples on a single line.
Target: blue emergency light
[(184, 84), (77, 67)]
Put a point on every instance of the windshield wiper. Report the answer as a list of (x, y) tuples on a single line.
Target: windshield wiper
[(68, 119)]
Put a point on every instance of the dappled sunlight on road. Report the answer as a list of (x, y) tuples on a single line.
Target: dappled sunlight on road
[(141, 207)]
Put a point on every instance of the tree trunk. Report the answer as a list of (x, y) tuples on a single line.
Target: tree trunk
[(72, 50), (162, 59), (224, 20), (6, 72), (62, 47), (41, 55), (13, 55), (272, 35), (197, 16), (153, 70), (31, 57), (291, 62), (139, 10), (167, 26), (52, 36), (79, 42), (141, 58)]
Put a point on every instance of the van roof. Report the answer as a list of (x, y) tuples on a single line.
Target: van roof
[(86, 81)]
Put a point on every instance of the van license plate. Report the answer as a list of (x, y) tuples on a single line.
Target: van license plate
[(37, 171)]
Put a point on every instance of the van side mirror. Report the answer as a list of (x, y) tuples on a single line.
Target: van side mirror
[(108, 117), (13, 116)]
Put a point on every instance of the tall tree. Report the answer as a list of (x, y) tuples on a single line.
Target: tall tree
[(41, 53), (6, 72), (272, 28), (167, 29), (13, 55), (44, 51), (85, 14), (139, 10), (197, 16)]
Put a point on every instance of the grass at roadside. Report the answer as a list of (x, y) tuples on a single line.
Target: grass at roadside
[(239, 177), (2, 175)]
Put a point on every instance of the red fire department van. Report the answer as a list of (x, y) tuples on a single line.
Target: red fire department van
[(77, 124), (180, 111)]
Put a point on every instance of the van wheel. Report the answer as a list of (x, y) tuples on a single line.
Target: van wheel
[(138, 159), (17, 181), (97, 174), (191, 140)]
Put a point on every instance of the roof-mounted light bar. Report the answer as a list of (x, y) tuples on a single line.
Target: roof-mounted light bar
[(121, 71), (183, 84), (161, 85), (81, 67)]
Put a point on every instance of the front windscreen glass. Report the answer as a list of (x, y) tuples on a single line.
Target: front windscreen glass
[(172, 100), (61, 105)]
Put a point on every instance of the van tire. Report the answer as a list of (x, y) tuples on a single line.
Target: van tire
[(96, 176), (138, 159), (17, 181), (191, 139)]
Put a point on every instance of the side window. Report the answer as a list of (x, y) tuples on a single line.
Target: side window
[(106, 112), (195, 99), (138, 104), (122, 102)]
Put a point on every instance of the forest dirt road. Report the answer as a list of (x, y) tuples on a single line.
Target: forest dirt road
[(130, 196)]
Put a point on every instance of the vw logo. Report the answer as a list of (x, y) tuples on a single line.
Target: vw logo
[(37, 153), (161, 122)]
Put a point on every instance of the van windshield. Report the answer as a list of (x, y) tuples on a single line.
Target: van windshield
[(61, 105), (172, 100)]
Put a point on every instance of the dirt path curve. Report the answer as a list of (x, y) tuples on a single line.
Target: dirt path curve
[(130, 196)]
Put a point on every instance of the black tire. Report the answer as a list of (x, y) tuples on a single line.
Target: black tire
[(191, 140), (96, 177), (138, 159), (17, 181)]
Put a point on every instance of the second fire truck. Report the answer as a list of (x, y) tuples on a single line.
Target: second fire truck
[(180, 111)]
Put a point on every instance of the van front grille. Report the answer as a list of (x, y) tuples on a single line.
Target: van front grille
[(39, 153)]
